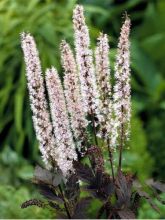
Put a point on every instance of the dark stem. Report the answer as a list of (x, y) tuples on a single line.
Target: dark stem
[(111, 159), (65, 203), (94, 128), (121, 143)]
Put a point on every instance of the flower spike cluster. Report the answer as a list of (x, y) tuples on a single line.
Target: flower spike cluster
[(84, 60), (73, 97), (41, 118), (122, 102), (65, 149), (104, 86), (86, 97)]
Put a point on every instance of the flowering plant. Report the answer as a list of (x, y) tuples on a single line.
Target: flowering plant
[(87, 118)]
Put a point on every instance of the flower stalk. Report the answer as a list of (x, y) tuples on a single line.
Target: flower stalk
[(122, 97)]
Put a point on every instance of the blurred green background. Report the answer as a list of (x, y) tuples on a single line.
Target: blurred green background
[(50, 21)]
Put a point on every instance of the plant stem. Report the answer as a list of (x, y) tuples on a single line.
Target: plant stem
[(121, 143), (94, 128), (111, 159), (65, 203)]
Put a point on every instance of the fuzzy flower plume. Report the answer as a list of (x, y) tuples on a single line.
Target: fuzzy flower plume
[(104, 87), (84, 60), (73, 97), (65, 149), (122, 96), (41, 118)]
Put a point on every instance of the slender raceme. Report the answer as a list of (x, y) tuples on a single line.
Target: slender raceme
[(41, 118), (90, 95), (73, 97), (65, 149), (122, 96), (104, 86)]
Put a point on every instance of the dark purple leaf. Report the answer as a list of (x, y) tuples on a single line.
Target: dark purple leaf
[(123, 190), (56, 206), (149, 199), (81, 208), (43, 175), (157, 185), (72, 188), (57, 179), (155, 191), (47, 177), (84, 172), (108, 185), (48, 193), (135, 202), (126, 214), (61, 215), (101, 187)]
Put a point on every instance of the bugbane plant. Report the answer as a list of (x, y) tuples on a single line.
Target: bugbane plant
[(83, 105)]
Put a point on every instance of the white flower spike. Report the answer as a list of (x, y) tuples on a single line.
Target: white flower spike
[(104, 85), (73, 97), (41, 118), (65, 149), (90, 95), (122, 95)]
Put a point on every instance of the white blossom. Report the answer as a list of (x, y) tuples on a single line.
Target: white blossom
[(84, 60), (122, 96), (104, 86), (65, 149), (41, 118), (73, 97)]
